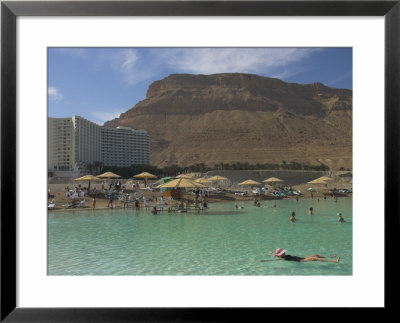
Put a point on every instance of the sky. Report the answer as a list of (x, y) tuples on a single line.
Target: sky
[(101, 83)]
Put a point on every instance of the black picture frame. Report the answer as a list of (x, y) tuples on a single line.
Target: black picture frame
[(10, 10)]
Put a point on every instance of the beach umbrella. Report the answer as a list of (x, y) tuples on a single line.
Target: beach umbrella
[(182, 183), (249, 182), (163, 180), (145, 175), (88, 178), (109, 175), (326, 178), (202, 181), (184, 176), (273, 180), (217, 178), (317, 181)]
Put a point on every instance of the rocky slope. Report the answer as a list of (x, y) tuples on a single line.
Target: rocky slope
[(243, 117)]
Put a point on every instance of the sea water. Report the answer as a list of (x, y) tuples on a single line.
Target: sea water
[(222, 240)]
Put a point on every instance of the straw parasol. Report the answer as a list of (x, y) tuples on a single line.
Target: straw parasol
[(326, 178), (273, 180), (109, 175), (318, 181), (182, 183), (217, 178), (184, 176), (145, 175), (202, 180), (249, 182), (88, 178)]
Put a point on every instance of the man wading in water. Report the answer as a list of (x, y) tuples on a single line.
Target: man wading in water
[(281, 254)]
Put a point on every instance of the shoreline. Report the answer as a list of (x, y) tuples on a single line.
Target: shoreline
[(165, 208), (58, 192)]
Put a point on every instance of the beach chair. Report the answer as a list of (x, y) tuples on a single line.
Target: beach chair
[(82, 203), (52, 205)]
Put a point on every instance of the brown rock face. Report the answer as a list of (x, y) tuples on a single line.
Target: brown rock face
[(243, 118)]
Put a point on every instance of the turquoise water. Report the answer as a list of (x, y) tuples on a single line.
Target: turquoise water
[(219, 241)]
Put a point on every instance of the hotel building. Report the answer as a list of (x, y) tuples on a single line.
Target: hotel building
[(76, 142)]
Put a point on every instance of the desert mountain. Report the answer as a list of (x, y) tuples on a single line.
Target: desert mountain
[(243, 118)]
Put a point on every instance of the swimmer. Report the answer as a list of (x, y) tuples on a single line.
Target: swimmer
[(292, 217), (340, 218), (281, 255), (310, 211)]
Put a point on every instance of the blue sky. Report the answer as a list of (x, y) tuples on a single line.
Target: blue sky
[(100, 83)]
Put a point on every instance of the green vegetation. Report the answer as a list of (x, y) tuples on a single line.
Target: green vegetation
[(174, 170)]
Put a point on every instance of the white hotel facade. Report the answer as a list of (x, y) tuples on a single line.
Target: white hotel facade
[(76, 142)]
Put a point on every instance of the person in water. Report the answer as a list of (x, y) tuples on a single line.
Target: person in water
[(292, 217), (340, 218), (281, 255), (310, 211)]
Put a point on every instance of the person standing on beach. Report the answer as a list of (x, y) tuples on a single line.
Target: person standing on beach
[(94, 202), (110, 201), (292, 217)]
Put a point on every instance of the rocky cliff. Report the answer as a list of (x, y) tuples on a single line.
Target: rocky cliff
[(243, 117)]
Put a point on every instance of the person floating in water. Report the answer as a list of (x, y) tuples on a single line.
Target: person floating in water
[(281, 255), (292, 217), (340, 218)]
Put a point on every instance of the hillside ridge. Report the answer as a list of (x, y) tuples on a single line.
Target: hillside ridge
[(236, 117)]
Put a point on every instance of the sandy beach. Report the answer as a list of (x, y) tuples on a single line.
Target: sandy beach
[(58, 192)]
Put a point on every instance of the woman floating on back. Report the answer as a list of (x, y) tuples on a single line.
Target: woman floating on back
[(281, 255)]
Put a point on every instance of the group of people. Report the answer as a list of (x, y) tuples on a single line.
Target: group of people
[(310, 212)]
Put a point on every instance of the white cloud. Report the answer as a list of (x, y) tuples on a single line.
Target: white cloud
[(128, 63), (272, 62), (340, 78), (133, 65), (102, 116), (54, 94), (244, 60)]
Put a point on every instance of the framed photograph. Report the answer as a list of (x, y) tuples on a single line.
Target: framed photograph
[(186, 147)]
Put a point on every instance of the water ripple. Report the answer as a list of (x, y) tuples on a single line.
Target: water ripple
[(220, 241)]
